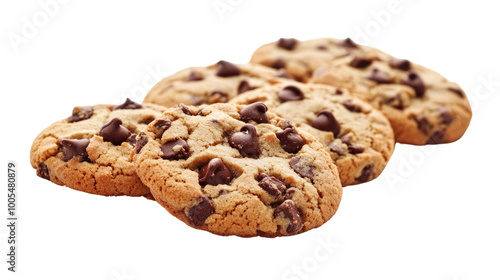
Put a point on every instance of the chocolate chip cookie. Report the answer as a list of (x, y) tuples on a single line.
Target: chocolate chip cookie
[(212, 84), (90, 150), (422, 106), (359, 138), (237, 170)]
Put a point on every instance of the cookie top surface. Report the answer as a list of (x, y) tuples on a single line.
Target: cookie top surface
[(90, 150), (301, 58), (237, 170), (359, 138), (216, 83), (423, 106)]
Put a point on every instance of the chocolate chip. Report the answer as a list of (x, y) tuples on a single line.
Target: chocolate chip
[(401, 64), (423, 123), (255, 112), (185, 109), (414, 81), (353, 148), (437, 137), (278, 63), (75, 148), (360, 62), (322, 47), (290, 93), (290, 140), (336, 149), (81, 113), (290, 212), (218, 97), (226, 69), (446, 117), (244, 86), (379, 77), (193, 76), (351, 106), (395, 101), (348, 43), (458, 91), (129, 104), (287, 43), (201, 211), (113, 132), (282, 74), (271, 185), (174, 150), (302, 167), (290, 192), (325, 121), (215, 173), (43, 171), (132, 140), (246, 141), (366, 173), (338, 92), (160, 126), (141, 141)]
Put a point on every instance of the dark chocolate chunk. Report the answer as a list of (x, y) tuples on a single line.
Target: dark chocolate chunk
[(401, 64), (193, 76), (351, 106), (379, 77), (244, 86), (290, 93), (226, 69), (198, 213), (176, 149), (141, 141), (128, 104), (336, 149), (414, 81), (446, 117), (360, 62), (290, 140), (215, 173), (423, 123), (352, 147), (348, 43), (114, 132), (283, 74), (437, 137), (290, 211), (458, 91), (339, 92), (161, 126), (255, 112), (271, 185), (366, 173), (75, 148), (287, 43), (81, 113), (246, 141), (395, 101), (43, 171), (326, 121), (278, 63), (302, 167), (185, 109), (132, 140)]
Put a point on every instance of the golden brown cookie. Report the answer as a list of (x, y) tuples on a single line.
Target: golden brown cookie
[(237, 170), (90, 150)]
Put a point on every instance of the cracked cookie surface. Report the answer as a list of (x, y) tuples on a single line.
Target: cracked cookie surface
[(237, 170), (359, 138), (90, 150), (212, 84), (422, 106)]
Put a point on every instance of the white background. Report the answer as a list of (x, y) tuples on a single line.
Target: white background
[(433, 214)]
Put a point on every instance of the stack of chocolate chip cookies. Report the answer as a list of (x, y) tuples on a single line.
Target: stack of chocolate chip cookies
[(257, 149)]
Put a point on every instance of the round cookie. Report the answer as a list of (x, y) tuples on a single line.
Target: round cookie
[(301, 58), (422, 106), (212, 84), (90, 150), (237, 170), (359, 138)]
